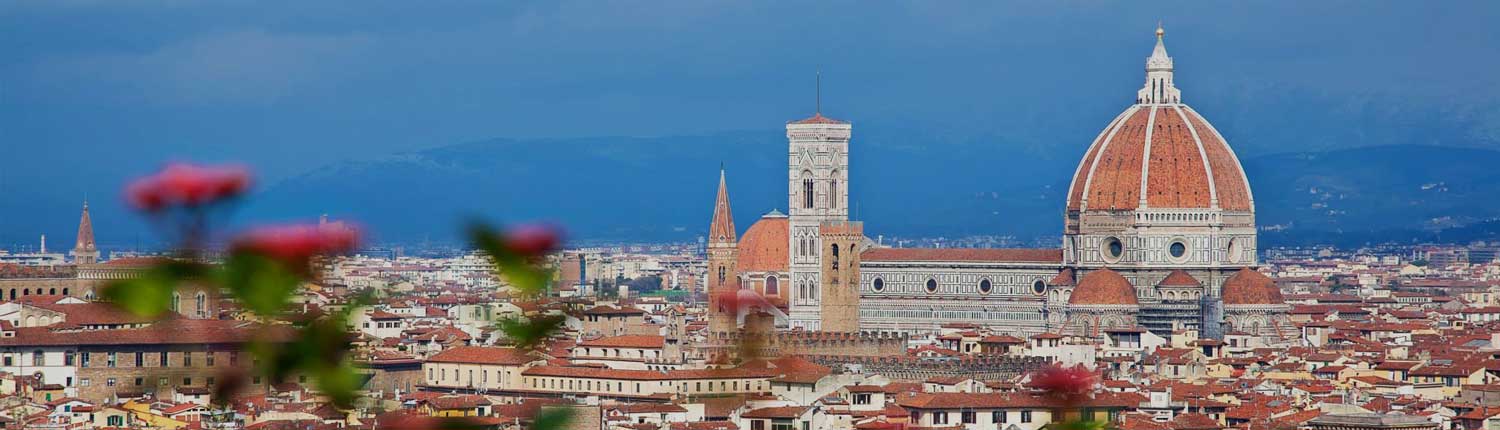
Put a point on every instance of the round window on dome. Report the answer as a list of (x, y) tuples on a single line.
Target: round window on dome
[(931, 286), (1177, 249), (985, 286), (1113, 249), (878, 285), (1038, 287)]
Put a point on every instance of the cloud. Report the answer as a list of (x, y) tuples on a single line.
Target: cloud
[(245, 66)]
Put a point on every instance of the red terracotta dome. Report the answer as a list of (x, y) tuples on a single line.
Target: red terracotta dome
[(1103, 287), (1249, 287), (763, 248), (1179, 278), (1159, 156)]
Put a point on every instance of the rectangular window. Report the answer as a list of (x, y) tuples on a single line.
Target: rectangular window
[(939, 417), (83, 359), (208, 358), (140, 381), (187, 359), (69, 357), (140, 359), (109, 382), (998, 417), (1025, 416), (8, 361), (110, 360), (187, 381), (83, 382), (968, 417), (38, 358), (161, 360)]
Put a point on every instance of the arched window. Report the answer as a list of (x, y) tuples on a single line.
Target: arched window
[(771, 287), (835, 258), (721, 275), (176, 303), (201, 304), (807, 193), (833, 190)]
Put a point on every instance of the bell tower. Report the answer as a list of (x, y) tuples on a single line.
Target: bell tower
[(722, 254), (85, 251), (817, 192)]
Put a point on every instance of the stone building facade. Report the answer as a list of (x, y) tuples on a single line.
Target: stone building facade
[(840, 275)]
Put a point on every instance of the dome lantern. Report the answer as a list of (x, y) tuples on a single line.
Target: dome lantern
[(1159, 88)]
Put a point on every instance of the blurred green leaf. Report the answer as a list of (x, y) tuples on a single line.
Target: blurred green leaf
[(340, 383), (551, 419), (320, 346), (150, 294), (262, 284), (529, 279), (530, 333)]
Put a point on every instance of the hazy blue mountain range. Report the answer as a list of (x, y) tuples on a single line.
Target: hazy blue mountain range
[(661, 188)]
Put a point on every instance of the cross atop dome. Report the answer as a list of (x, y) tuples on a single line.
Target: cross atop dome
[(1159, 88)]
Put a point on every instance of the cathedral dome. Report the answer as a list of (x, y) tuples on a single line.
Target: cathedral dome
[(1103, 287), (1159, 154), (1249, 287), (763, 248)]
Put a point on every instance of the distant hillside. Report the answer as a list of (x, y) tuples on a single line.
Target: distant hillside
[(661, 188), (1352, 196)]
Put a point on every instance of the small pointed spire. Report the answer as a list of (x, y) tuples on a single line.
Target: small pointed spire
[(722, 229), (85, 251)]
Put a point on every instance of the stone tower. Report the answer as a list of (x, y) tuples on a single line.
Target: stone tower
[(817, 192), (842, 242), (722, 254), (85, 252)]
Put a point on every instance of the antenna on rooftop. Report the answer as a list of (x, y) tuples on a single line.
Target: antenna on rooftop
[(818, 93)]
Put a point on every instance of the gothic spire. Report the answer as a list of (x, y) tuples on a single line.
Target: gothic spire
[(85, 251), (722, 229)]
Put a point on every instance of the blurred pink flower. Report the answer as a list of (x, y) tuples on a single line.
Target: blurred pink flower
[(1070, 383), (187, 185), (532, 240), (295, 244)]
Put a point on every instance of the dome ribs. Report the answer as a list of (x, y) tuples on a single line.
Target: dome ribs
[(1228, 178), (1085, 167), (1176, 177), (1116, 179)]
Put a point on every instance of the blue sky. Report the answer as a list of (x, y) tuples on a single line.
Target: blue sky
[(95, 92)]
